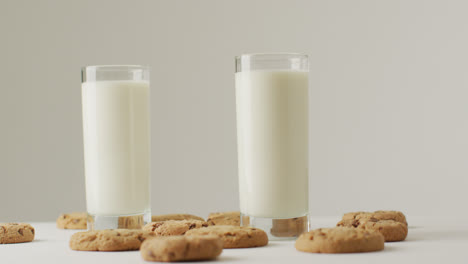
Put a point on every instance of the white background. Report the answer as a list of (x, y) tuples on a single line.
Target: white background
[(389, 88)]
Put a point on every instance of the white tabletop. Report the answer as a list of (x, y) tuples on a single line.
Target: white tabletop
[(428, 241)]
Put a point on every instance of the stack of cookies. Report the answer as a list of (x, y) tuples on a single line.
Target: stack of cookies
[(174, 237), (161, 240), (204, 240)]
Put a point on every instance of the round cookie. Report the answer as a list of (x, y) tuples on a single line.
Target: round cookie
[(390, 229), (224, 218), (159, 218), (174, 227), (181, 248), (109, 240), (353, 215), (16, 233), (234, 236), (390, 215), (340, 240), (380, 215), (76, 220)]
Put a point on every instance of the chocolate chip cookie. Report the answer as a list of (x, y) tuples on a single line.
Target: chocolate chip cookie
[(16, 233), (181, 248), (224, 218), (340, 240), (391, 224), (76, 220), (159, 218), (109, 240), (379, 215), (234, 236), (390, 229), (174, 227)]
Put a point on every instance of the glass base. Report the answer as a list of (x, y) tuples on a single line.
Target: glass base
[(136, 221), (278, 228)]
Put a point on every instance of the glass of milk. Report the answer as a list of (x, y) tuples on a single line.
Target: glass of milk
[(272, 138), (116, 130)]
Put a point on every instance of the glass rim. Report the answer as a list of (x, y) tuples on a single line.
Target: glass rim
[(294, 54), (114, 67)]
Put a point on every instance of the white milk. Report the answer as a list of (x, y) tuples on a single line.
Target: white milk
[(117, 147), (272, 131)]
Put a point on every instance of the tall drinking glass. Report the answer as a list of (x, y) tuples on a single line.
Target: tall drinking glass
[(116, 130), (272, 138)]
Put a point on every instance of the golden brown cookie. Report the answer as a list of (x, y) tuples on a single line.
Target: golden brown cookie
[(77, 220), (379, 215), (109, 240), (224, 218), (234, 236), (174, 227), (16, 233), (340, 240), (159, 218), (390, 229), (390, 215), (181, 248)]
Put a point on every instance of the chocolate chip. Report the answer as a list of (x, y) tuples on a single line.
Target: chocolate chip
[(355, 223)]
